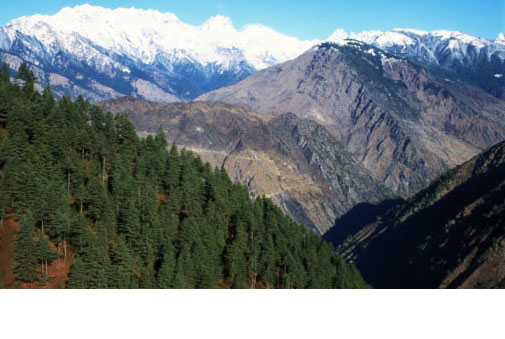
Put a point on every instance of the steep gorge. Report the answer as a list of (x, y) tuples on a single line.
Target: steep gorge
[(449, 235)]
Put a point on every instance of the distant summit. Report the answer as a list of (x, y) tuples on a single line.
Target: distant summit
[(500, 39), (103, 53), (454, 55)]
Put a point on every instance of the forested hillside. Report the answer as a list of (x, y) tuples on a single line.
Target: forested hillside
[(130, 214)]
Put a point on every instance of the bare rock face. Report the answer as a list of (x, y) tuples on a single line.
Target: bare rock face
[(294, 161), (402, 122), (449, 235)]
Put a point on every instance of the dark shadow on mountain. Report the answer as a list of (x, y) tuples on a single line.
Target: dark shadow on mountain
[(421, 250), (358, 217)]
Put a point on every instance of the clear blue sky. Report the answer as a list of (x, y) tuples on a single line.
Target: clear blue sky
[(308, 19)]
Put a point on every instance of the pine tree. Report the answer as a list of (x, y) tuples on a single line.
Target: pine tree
[(60, 229), (4, 74), (27, 77), (236, 260), (26, 250), (48, 103), (166, 272), (45, 254), (172, 178), (79, 275)]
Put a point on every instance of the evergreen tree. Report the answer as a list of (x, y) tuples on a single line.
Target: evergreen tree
[(166, 272), (60, 229), (26, 250), (45, 254), (236, 260), (27, 77), (4, 74)]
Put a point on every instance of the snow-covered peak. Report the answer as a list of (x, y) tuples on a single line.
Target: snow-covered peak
[(145, 34), (429, 43), (390, 38), (218, 23), (339, 36), (410, 30), (87, 13), (440, 48), (407, 36), (385, 39), (102, 38), (500, 39), (461, 37)]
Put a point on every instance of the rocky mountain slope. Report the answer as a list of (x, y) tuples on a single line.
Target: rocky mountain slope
[(294, 161), (102, 53), (451, 234), (405, 124), (451, 54)]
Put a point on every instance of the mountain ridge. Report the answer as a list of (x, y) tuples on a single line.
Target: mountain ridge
[(293, 161), (453, 54), (404, 123), (102, 53), (122, 47)]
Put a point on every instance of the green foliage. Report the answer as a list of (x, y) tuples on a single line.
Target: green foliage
[(27, 77), (136, 215), (44, 251), (26, 250)]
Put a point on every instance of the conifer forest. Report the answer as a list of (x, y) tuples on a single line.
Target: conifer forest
[(130, 212)]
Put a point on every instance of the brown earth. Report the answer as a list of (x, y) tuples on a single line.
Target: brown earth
[(7, 230), (57, 270)]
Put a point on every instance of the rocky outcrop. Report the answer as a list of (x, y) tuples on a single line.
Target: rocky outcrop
[(294, 161), (401, 122)]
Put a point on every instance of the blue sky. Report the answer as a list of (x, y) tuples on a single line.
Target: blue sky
[(309, 19)]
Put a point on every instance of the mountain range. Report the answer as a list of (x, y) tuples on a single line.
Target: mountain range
[(341, 125), (451, 54), (388, 144), (102, 53), (403, 122)]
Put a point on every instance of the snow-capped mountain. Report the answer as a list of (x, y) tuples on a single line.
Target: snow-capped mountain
[(500, 39), (104, 53), (453, 54)]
